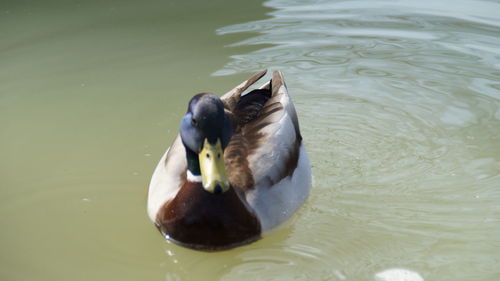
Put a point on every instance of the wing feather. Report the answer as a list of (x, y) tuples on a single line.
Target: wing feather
[(268, 145)]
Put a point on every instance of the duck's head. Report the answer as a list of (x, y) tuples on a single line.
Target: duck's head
[(205, 132)]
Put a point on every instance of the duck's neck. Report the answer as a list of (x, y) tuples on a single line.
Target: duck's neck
[(193, 164)]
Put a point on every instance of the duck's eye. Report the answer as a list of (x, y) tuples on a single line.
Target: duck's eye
[(218, 155), (208, 156), (194, 122)]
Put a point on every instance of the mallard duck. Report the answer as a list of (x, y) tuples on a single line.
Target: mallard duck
[(237, 169)]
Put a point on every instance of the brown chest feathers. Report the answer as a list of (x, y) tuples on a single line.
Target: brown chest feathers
[(205, 221)]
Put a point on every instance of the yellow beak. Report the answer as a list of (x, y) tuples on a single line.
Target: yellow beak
[(213, 172)]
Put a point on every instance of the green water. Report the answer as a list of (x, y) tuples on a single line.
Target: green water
[(398, 103)]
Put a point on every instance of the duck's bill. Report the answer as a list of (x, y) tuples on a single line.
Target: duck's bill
[(213, 172)]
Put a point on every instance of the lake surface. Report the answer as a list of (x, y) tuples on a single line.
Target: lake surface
[(399, 104)]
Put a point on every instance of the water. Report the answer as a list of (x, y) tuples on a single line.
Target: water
[(398, 103)]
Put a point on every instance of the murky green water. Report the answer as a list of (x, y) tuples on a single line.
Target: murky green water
[(399, 106)]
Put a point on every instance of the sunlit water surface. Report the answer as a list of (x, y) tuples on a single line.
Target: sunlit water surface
[(399, 108)]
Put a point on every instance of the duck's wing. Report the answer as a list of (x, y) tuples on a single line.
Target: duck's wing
[(275, 137), (265, 158), (265, 146)]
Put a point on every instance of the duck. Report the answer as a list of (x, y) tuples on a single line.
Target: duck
[(237, 170)]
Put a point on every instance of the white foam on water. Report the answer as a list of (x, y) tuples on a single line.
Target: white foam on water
[(398, 274)]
